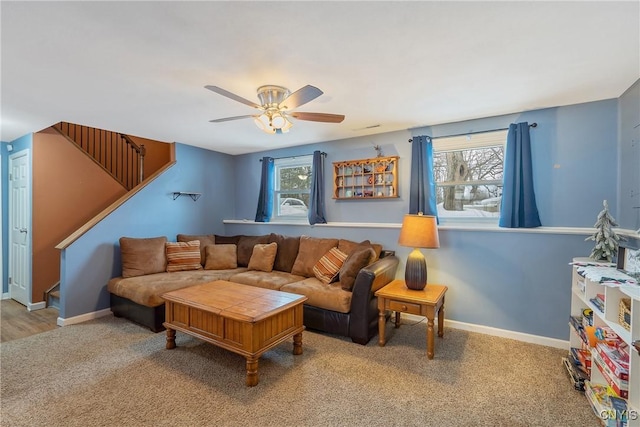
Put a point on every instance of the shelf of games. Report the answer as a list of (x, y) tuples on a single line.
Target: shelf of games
[(375, 178), (604, 326)]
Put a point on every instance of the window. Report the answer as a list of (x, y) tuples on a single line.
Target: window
[(468, 173), (292, 187)]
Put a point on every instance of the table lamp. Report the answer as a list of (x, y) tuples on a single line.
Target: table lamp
[(418, 231)]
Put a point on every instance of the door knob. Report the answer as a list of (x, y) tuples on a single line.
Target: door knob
[(23, 230)]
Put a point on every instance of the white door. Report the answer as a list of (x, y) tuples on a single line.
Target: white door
[(19, 227)]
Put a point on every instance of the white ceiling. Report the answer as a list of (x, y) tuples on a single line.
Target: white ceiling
[(141, 67)]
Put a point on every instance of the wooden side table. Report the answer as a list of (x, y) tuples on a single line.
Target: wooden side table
[(427, 302)]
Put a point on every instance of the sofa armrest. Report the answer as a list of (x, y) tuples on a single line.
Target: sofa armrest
[(368, 281), (374, 277)]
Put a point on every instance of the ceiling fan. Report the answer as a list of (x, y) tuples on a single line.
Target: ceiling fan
[(276, 103)]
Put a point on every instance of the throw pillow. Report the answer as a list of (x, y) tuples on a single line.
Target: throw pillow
[(310, 251), (357, 260), (207, 239), (245, 247), (348, 246), (263, 256), (328, 267), (142, 256), (287, 251), (183, 256), (221, 257)]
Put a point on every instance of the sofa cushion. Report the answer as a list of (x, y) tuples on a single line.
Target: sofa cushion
[(310, 251), (147, 290), (330, 297), (327, 268), (204, 239), (348, 246), (142, 256), (245, 247), (357, 260), (263, 256), (227, 240), (287, 251), (221, 257), (183, 256), (273, 280)]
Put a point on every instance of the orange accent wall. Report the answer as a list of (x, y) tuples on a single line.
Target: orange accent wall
[(69, 189), (158, 154)]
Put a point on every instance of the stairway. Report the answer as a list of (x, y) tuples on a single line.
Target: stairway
[(115, 152)]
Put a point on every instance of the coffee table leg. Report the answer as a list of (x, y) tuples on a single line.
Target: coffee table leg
[(252, 372), (297, 344), (171, 338), (430, 343)]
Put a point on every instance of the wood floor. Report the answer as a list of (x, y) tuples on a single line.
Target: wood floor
[(17, 322)]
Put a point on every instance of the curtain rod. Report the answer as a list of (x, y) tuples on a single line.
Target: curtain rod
[(299, 155), (532, 125)]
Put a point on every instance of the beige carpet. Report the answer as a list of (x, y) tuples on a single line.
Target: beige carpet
[(110, 372)]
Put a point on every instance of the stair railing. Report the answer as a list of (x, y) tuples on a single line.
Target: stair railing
[(117, 153)]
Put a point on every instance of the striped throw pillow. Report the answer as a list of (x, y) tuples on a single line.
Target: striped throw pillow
[(328, 267), (183, 256)]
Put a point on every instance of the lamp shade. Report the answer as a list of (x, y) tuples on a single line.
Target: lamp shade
[(419, 231)]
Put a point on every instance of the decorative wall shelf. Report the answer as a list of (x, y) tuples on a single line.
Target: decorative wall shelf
[(375, 178), (194, 196)]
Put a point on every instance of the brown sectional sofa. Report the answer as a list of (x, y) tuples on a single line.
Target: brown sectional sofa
[(346, 306)]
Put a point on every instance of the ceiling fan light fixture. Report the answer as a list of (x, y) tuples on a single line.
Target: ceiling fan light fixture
[(278, 121), (275, 101), (285, 129), (262, 122), (288, 125)]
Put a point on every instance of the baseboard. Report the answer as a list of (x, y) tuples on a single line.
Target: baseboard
[(83, 317), (502, 333), (31, 306), (37, 306)]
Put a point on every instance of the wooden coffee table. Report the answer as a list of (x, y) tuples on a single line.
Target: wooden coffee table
[(427, 302), (243, 319)]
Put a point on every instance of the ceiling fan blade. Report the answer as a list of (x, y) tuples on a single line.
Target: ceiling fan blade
[(318, 117), (300, 97), (227, 119), (233, 96)]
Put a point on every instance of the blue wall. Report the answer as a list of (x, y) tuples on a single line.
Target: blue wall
[(629, 113), (94, 258), (516, 280), (574, 150), (22, 143)]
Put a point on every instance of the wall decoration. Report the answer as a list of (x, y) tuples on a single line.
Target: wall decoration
[(375, 178)]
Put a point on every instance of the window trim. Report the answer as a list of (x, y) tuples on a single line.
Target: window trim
[(480, 140), (285, 162)]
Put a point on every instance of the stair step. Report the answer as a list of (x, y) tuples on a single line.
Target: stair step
[(54, 299)]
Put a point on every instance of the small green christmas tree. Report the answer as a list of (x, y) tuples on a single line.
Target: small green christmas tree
[(605, 237)]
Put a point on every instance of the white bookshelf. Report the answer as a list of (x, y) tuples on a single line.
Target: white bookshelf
[(582, 291)]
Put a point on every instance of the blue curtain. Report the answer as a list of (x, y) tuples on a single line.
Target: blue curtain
[(422, 189), (316, 199), (265, 198), (518, 207)]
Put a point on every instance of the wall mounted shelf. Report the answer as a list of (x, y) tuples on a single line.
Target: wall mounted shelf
[(194, 196), (375, 178)]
